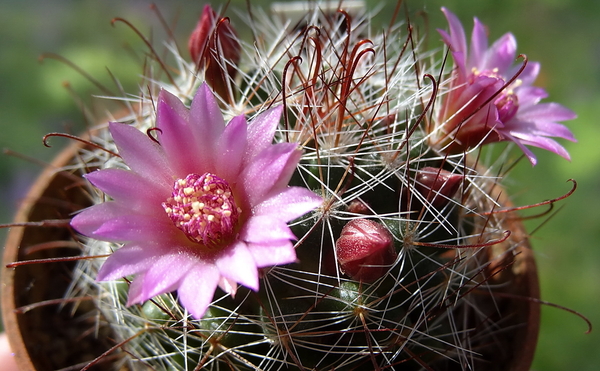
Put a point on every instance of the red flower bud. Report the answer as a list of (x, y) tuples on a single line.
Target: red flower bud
[(359, 207), (437, 186), (199, 38), (365, 250), (214, 45)]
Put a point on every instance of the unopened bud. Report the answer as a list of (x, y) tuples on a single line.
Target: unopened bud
[(359, 207), (437, 186), (214, 45), (365, 250)]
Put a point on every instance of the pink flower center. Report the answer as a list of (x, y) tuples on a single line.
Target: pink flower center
[(507, 104), (203, 207), (507, 101)]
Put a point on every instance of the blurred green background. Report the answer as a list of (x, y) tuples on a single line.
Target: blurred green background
[(562, 34)]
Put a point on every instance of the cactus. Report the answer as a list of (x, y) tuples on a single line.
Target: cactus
[(411, 259)]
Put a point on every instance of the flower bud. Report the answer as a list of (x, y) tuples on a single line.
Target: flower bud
[(199, 38), (359, 207), (214, 45), (365, 250), (437, 186)]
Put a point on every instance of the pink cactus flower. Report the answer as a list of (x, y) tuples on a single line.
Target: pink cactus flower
[(206, 207), (491, 99)]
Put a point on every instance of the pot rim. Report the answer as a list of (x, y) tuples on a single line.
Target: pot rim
[(11, 254)]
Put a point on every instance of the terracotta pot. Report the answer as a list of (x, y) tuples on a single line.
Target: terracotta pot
[(48, 336), (515, 300), (47, 333)]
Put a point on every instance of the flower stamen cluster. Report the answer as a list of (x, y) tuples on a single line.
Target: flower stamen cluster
[(203, 207), (507, 102)]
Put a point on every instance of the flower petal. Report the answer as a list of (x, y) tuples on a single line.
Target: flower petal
[(237, 264), (232, 147), (528, 75), (229, 286), (271, 169), (456, 40), (289, 204), (541, 128), (546, 111), (266, 228), (541, 142), (130, 259), (272, 253), (141, 154), (138, 227), (530, 95), (136, 294), (130, 189), (261, 131), (92, 218), (206, 126), (479, 45), (501, 54), (457, 33), (166, 272), (174, 135), (197, 288)]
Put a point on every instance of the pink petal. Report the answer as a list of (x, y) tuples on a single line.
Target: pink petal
[(473, 107), (141, 154), (501, 54), (266, 228), (272, 253), (229, 286), (289, 204), (457, 39), (529, 95), (529, 74), (541, 142), (479, 45), (166, 272), (175, 135), (547, 112), (232, 147), (528, 153), (206, 126), (92, 218), (174, 104), (480, 91), (554, 129), (129, 259), (138, 227), (261, 131), (542, 128), (197, 288), (136, 288), (237, 264), (271, 169), (130, 189)]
